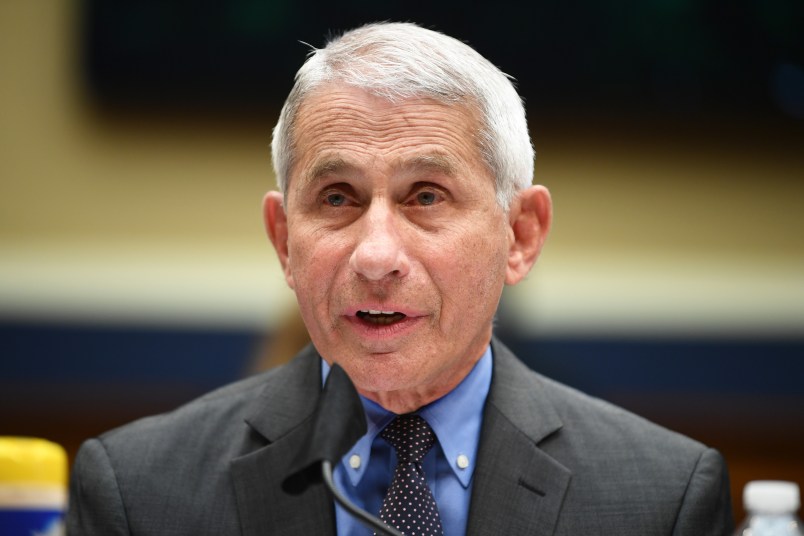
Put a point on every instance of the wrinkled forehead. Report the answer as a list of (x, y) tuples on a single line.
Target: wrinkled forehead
[(325, 119), (381, 95)]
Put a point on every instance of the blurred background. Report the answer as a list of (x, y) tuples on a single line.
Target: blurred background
[(135, 274)]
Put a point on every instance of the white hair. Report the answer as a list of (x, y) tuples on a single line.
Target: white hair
[(399, 61)]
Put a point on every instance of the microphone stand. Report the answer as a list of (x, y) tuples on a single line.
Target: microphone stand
[(361, 515), (337, 423)]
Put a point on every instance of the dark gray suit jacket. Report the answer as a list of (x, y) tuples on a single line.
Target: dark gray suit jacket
[(551, 461)]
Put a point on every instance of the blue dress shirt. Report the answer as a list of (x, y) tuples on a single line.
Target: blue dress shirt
[(365, 473)]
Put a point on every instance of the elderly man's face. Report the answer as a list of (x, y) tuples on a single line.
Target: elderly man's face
[(393, 241)]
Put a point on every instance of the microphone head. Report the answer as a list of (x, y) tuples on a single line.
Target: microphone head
[(338, 422)]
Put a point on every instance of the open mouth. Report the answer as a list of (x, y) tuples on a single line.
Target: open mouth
[(380, 318)]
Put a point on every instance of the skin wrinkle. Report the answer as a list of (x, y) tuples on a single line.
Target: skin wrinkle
[(432, 163), (444, 264), (383, 124), (398, 62)]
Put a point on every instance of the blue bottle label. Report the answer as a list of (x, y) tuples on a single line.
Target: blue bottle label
[(30, 522)]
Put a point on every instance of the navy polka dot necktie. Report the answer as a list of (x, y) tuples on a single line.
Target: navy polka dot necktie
[(409, 504)]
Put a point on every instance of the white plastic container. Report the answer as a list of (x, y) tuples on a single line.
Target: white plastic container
[(772, 507), (33, 487)]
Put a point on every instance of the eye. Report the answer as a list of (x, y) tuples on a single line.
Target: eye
[(426, 197), (339, 195), (335, 199)]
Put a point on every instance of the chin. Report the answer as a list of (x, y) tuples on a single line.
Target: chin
[(388, 379), (377, 383)]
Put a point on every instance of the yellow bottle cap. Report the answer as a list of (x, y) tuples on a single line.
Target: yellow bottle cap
[(28, 460)]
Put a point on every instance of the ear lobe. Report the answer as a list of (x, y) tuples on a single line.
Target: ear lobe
[(530, 218), (276, 225)]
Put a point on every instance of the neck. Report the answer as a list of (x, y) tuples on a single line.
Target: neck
[(409, 400)]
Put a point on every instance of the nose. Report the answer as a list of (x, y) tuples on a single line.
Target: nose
[(379, 251)]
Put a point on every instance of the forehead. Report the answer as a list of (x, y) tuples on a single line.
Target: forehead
[(340, 126)]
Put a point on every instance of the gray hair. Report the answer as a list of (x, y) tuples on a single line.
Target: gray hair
[(398, 61)]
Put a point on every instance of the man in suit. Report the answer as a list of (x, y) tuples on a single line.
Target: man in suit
[(406, 203)]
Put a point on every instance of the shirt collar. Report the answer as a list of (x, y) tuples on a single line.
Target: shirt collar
[(455, 419)]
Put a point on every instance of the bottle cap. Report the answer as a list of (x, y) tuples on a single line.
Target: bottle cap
[(771, 496), (27, 460)]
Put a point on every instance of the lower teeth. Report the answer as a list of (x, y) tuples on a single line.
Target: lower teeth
[(383, 320)]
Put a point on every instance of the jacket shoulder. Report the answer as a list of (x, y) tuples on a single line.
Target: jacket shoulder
[(526, 396), (213, 412), (625, 471)]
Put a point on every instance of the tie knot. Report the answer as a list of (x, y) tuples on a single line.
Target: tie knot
[(411, 436)]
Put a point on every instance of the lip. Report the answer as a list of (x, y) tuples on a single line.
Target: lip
[(407, 311), (376, 333), (373, 333)]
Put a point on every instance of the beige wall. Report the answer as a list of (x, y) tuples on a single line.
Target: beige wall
[(137, 216)]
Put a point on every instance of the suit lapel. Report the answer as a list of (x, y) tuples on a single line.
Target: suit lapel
[(523, 497), (520, 498), (280, 423)]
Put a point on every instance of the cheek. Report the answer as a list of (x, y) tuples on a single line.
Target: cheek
[(472, 266), (314, 259)]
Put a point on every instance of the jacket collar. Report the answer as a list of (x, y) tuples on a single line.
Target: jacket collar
[(286, 401), (518, 488), (280, 421)]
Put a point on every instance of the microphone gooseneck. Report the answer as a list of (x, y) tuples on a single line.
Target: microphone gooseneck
[(337, 423), (361, 515)]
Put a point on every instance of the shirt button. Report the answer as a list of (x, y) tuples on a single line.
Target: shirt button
[(354, 461), (463, 461)]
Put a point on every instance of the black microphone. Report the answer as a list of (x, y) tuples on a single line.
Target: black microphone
[(338, 422)]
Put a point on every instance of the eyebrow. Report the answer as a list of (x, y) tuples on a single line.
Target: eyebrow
[(434, 162), (431, 162), (328, 166)]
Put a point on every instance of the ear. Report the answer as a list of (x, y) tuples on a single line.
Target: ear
[(530, 217), (276, 225)]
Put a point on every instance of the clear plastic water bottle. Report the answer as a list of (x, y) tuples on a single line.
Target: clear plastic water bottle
[(772, 507)]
